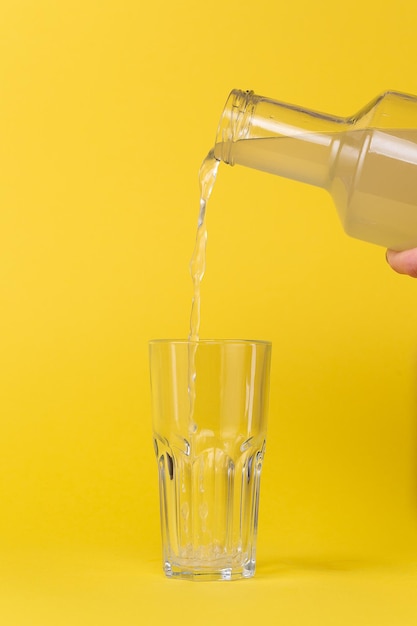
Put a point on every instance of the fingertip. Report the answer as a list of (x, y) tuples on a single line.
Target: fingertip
[(404, 262)]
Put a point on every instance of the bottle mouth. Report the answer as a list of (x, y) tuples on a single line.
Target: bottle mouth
[(234, 123)]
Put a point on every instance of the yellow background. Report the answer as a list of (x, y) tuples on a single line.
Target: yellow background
[(107, 109)]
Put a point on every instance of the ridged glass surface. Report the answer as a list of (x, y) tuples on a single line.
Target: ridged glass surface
[(209, 509)]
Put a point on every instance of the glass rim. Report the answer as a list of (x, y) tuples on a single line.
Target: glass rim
[(242, 342)]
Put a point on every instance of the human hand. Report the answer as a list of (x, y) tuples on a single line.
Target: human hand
[(404, 262)]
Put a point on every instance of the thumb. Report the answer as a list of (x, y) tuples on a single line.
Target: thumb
[(404, 262)]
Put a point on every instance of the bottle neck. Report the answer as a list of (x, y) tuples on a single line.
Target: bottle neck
[(278, 138)]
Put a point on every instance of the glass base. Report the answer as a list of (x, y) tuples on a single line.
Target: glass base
[(207, 573)]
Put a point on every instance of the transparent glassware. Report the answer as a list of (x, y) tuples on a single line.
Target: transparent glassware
[(367, 162), (209, 452)]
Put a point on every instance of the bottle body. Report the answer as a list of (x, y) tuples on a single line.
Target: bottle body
[(367, 162)]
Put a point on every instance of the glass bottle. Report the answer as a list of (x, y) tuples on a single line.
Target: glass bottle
[(368, 162)]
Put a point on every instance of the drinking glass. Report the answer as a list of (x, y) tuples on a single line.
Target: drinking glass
[(209, 415)]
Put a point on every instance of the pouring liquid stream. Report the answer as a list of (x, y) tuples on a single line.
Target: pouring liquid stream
[(207, 178)]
